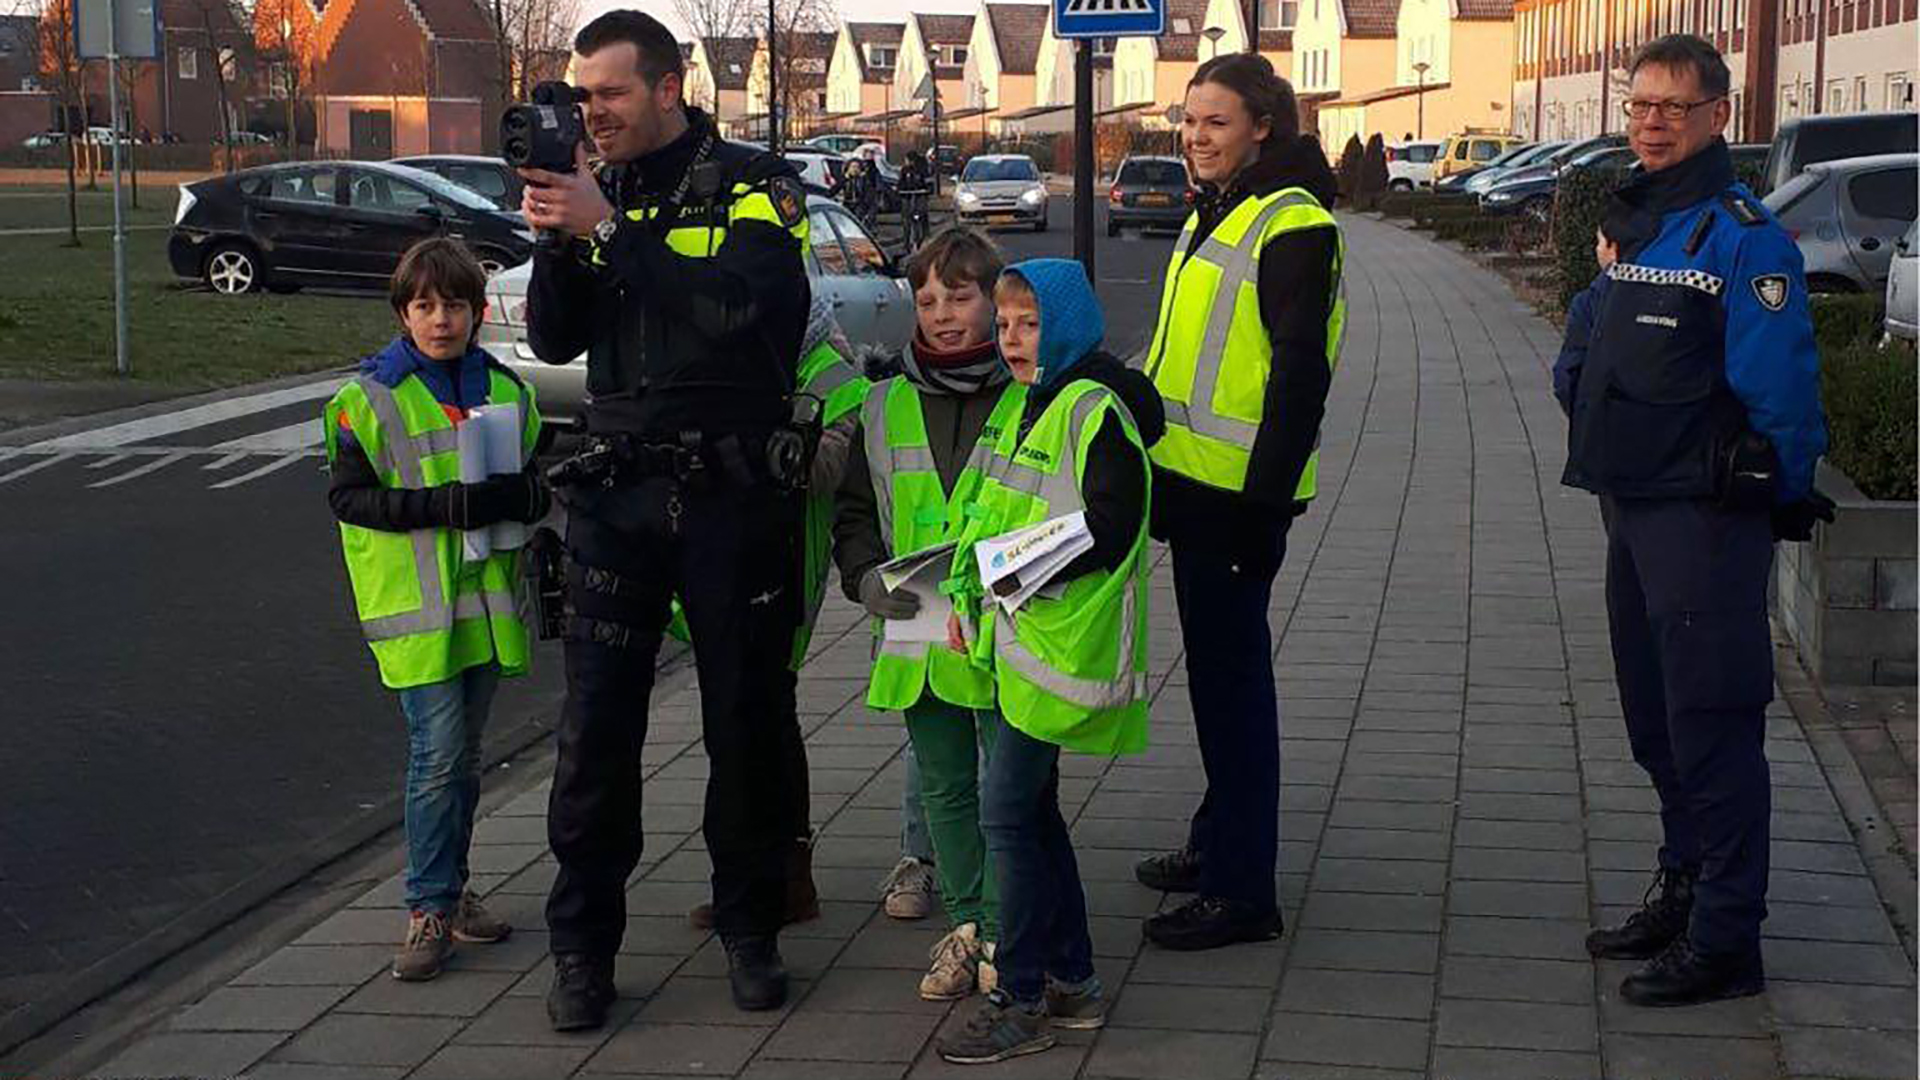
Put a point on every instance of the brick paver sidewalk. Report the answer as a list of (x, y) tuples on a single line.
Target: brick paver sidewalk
[(1460, 806)]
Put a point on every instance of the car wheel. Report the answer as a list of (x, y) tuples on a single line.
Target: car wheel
[(233, 269), (1400, 185), (1040, 226), (1539, 208)]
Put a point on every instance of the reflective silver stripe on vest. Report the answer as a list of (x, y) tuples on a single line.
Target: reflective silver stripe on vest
[(884, 460), (1060, 487), (1125, 689), (1239, 264), (479, 605), (404, 455), (830, 378)]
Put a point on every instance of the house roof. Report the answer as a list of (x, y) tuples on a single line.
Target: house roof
[(1191, 14), (186, 15), (1486, 10), (732, 60), (1373, 18), (1388, 94), (809, 46), (869, 33), (946, 29), (458, 20), (1017, 29)]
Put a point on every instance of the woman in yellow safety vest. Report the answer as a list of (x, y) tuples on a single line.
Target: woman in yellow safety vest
[(1243, 354)]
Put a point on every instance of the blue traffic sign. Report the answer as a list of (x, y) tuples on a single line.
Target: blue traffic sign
[(1109, 18)]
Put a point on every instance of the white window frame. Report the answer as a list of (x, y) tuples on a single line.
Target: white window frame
[(186, 63)]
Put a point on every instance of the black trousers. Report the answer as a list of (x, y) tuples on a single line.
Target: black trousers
[(1223, 583), (730, 554), (1687, 612)]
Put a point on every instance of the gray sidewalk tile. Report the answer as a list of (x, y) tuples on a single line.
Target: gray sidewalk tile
[(343, 1039), (686, 1049), (1838, 962), (1515, 865), (1243, 965), (1371, 950), (1347, 1040), (1741, 1018), (1393, 876), (1564, 982), (1298, 1070), (1142, 1054), (1673, 1057), (191, 1053), (1357, 993), (1539, 939), (1378, 843), (500, 1062), (1868, 1055), (773, 1069), (1518, 899), (697, 999), (1827, 1005), (1370, 911), (1469, 1063), (825, 1036), (1189, 1008), (467, 993), (259, 1008), (319, 965), (1516, 1025), (293, 1070)]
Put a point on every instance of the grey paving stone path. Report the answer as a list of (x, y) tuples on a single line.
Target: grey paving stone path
[(1460, 806)]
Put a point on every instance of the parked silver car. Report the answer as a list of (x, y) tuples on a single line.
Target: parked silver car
[(1846, 215), (1903, 289), (870, 298), (1002, 189)]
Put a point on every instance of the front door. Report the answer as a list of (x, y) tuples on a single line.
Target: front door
[(370, 134)]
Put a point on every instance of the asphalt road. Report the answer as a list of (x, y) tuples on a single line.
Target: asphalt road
[(189, 708)]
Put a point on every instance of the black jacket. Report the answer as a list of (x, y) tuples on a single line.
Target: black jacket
[(1297, 288), (1113, 485), (676, 343)]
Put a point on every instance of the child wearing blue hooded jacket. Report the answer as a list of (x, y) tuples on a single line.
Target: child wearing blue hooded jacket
[(1050, 328)]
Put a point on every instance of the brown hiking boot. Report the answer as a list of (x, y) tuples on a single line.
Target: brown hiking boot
[(426, 949), (803, 900), (474, 923)]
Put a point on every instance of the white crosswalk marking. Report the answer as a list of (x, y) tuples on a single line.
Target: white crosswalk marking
[(222, 462), (110, 459), (151, 466), (154, 427), (270, 467), (292, 437), (43, 463)]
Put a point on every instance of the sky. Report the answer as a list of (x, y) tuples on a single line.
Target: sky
[(854, 10)]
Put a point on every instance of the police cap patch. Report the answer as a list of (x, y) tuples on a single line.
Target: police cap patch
[(1771, 290), (788, 200)]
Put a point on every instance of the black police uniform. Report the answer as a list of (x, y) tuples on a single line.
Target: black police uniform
[(1695, 416), (692, 316)]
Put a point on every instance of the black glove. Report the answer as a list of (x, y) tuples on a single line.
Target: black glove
[(1259, 537), (521, 496), (898, 604), (1793, 521)]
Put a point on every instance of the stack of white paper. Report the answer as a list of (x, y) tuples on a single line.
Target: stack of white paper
[(920, 573), (489, 441), (1016, 565)]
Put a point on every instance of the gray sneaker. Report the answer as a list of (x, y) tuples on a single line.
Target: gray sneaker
[(909, 890), (1077, 1006), (1002, 1029), (424, 953)]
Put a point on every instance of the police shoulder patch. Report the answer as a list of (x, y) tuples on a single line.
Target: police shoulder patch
[(1772, 291), (1743, 209), (789, 201)]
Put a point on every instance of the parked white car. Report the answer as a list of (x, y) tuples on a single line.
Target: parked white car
[(1410, 165), (817, 169), (870, 298), (1903, 288)]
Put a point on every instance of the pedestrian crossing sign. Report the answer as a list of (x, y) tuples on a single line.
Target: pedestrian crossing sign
[(1109, 18)]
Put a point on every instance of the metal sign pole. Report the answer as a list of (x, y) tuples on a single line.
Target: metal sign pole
[(1083, 156), (119, 224)]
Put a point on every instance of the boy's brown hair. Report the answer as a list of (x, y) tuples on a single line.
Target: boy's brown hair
[(438, 265), (958, 256), (1014, 287)]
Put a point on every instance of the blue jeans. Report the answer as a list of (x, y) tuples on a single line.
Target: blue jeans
[(1043, 911), (444, 722)]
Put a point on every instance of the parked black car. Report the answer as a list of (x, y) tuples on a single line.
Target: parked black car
[(1149, 193), (1530, 189), (329, 223), (1809, 140), (488, 176)]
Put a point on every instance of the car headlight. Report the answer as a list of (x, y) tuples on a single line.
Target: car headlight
[(966, 198), (1035, 195), (1499, 196)]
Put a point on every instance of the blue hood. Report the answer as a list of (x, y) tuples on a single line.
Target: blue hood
[(1071, 324), (391, 365)]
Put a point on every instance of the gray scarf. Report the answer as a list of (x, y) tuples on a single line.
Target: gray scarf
[(964, 379)]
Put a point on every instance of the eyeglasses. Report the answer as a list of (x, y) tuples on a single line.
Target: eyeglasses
[(1669, 110)]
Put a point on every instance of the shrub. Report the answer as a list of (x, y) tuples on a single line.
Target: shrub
[(1373, 172), (1869, 393), (1579, 204), (1349, 170), (1843, 321)]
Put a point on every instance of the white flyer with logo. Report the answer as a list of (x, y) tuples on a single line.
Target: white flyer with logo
[(1016, 565)]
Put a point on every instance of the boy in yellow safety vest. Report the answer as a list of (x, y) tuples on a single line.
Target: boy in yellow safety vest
[(1069, 664), (443, 627)]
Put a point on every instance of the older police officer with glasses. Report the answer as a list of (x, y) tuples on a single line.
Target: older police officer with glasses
[(1696, 418)]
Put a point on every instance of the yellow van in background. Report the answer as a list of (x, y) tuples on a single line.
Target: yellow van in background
[(1471, 149)]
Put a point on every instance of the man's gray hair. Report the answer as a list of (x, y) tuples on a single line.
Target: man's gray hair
[(1679, 51)]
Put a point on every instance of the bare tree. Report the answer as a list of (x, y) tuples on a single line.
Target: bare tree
[(222, 73), (64, 73), (801, 69), (285, 35), (721, 18), (535, 41)]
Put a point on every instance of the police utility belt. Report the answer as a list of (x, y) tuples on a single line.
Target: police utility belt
[(780, 458)]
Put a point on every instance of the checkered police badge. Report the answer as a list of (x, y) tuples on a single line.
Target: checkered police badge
[(1771, 290)]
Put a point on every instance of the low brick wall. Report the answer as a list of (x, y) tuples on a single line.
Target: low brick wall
[(1848, 599)]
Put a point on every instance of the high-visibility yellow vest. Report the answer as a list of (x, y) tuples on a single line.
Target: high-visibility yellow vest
[(426, 612), (916, 512), (1070, 666), (1211, 355), (702, 241)]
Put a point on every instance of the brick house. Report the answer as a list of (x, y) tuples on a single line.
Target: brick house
[(399, 77), (203, 44), (717, 79)]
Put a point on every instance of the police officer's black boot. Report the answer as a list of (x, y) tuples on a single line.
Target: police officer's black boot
[(1661, 920), (582, 991), (756, 972), (1683, 975), (1171, 871)]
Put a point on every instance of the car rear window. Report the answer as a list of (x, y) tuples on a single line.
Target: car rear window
[(1161, 173), (1855, 138), (1784, 198), (1887, 194), (302, 186), (488, 182)]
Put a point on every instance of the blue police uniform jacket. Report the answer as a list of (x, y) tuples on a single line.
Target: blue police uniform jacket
[(1701, 335)]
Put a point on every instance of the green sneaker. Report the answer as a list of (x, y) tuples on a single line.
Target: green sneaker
[(1002, 1029), (1078, 1006)]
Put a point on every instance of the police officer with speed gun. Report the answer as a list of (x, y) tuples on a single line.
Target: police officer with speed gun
[(680, 275), (1696, 418)]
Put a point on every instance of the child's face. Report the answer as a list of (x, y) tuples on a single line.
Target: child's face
[(439, 327), (1018, 320), (953, 317)]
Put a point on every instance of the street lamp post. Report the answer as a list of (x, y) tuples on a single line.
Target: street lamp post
[(1213, 34), (1420, 101)]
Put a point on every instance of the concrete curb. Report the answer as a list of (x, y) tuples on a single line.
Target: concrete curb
[(1878, 842)]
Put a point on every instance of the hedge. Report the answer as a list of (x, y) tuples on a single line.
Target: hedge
[(1869, 391)]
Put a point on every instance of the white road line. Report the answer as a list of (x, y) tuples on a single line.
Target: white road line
[(221, 463), (35, 467), (110, 459), (115, 436), (292, 437), (272, 466), (156, 463)]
